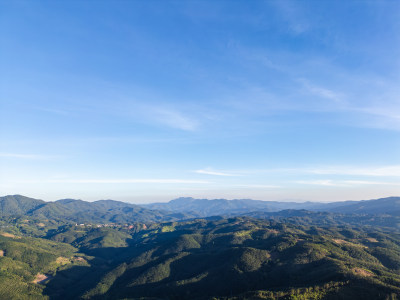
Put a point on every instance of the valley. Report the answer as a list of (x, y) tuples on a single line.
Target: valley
[(287, 254)]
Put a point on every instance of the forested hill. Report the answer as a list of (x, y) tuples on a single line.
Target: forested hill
[(110, 211), (389, 206), (102, 211), (235, 258), (255, 259), (122, 251), (205, 207)]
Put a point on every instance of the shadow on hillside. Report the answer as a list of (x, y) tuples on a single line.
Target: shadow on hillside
[(73, 282), (205, 274)]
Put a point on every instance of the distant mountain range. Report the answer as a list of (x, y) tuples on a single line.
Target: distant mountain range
[(104, 211), (205, 207)]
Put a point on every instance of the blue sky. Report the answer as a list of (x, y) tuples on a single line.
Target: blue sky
[(146, 101)]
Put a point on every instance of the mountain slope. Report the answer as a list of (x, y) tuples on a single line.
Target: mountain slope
[(103, 211), (110, 211), (18, 205), (292, 254), (390, 206), (228, 257), (215, 207), (24, 261)]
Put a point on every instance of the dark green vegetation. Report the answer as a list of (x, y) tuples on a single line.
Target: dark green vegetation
[(291, 254), (110, 211), (205, 207), (24, 260), (305, 217), (226, 258), (102, 211)]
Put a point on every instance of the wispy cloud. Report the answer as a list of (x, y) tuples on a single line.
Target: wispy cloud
[(320, 182), (133, 180), (62, 112), (393, 170), (376, 116), (209, 171), (25, 156), (365, 182), (258, 186), (320, 91), (143, 106), (345, 183), (294, 17), (172, 118), (344, 170)]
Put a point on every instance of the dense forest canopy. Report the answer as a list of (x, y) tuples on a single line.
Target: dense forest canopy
[(151, 253)]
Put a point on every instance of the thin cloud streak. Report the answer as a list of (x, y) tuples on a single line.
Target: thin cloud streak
[(174, 119), (362, 182), (321, 91), (344, 183), (258, 186), (25, 156), (116, 181), (378, 171), (212, 172), (297, 22), (387, 171), (320, 182), (106, 181)]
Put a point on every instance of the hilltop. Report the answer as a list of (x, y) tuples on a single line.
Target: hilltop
[(184, 250)]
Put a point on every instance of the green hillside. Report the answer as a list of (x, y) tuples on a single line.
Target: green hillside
[(243, 257), (120, 251), (78, 211), (18, 205), (27, 263)]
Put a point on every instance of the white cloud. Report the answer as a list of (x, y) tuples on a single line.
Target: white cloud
[(321, 91), (379, 117), (258, 186), (377, 171), (24, 156), (173, 118), (320, 182), (364, 182), (62, 112), (209, 171), (295, 18), (171, 181), (116, 181), (344, 183), (388, 171)]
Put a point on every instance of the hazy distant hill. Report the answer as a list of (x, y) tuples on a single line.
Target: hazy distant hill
[(324, 218), (206, 208), (110, 211), (390, 206), (102, 211)]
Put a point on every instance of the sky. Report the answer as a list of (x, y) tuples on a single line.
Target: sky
[(145, 101)]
